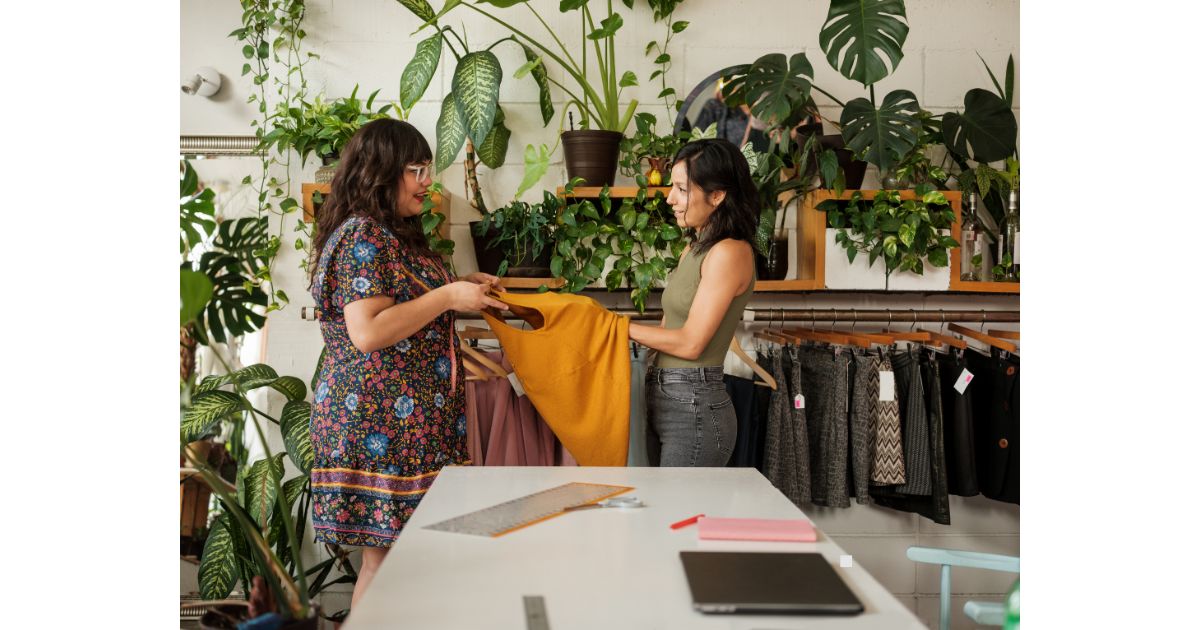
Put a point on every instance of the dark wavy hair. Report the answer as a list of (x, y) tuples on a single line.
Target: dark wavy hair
[(717, 164), (367, 182)]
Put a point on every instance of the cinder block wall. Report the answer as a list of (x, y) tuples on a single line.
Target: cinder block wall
[(368, 42)]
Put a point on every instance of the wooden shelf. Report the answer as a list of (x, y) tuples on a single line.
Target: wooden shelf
[(441, 204), (531, 283), (956, 264), (985, 287), (771, 286), (615, 192)]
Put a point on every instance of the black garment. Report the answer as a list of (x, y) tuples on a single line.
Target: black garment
[(996, 404), (864, 411), (741, 391), (958, 433), (762, 404), (914, 423), (825, 375), (935, 505)]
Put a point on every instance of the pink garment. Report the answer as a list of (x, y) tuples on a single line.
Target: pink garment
[(504, 429)]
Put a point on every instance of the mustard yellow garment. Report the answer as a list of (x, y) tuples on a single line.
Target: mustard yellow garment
[(574, 366)]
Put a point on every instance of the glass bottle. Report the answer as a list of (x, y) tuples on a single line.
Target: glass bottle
[(1012, 607), (1012, 236), (970, 231)]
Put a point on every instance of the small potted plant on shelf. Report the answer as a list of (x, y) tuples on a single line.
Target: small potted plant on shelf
[(654, 150), (321, 128), (517, 240)]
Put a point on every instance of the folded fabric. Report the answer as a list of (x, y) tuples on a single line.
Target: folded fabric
[(769, 529), (574, 367)]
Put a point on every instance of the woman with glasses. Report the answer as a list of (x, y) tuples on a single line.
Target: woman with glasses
[(388, 411), (689, 417)]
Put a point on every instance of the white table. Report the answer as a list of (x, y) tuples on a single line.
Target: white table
[(601, 568)]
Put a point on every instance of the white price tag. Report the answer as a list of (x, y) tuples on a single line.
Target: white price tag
[(887, 386), (516, 384), (964, 379), (798, 401)]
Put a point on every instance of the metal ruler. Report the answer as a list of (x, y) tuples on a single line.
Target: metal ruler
[(500, 519), (535, 613)]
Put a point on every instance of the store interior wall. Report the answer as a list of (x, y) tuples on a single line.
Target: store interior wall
[(368, 42)]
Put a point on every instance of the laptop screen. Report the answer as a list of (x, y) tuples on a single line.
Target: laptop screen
[(772, 583)]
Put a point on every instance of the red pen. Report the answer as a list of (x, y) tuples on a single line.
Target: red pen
[(687, 521)]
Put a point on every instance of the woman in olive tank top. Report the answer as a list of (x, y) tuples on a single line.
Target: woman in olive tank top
[(690, 418)]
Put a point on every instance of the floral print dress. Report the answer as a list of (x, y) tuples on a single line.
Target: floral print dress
[(383, 423)]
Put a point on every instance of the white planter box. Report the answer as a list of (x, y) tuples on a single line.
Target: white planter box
[(840, 274)]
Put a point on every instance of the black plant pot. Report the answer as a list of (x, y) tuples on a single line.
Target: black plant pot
[(855, 170), (773, 266), (488, 258), (592, 154)]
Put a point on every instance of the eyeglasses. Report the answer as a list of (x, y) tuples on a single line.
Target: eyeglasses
[(419, 171)]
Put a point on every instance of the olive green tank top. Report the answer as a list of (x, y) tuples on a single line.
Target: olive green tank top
[(677, 301)]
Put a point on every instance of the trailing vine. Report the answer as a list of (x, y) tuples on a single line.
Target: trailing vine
[(271, 32)]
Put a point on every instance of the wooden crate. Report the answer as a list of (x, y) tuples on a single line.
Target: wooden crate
[(985, 286)]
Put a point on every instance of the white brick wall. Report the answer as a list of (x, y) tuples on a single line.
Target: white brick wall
[(368, 42)]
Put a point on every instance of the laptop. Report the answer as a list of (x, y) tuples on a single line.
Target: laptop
[(767, 583)]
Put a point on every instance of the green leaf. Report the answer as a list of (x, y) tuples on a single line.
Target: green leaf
[(670, 232), (218, 561), (537, 162), (293, 424), (628, 79), (643, 218), (666, 92), (420, 8), (851, 252), (881, 136), (776, 87), (663, 58), (207, 408), (420, 70), (608, 27), (291, 387), (476, 88), (248, 51), (495, 145), (543, 82), (643, 275), (527, 67), (677, 27), (451, 134), (986, 131), (907, 234), (828, 165), (255, 376), (649, 47), (264, 50), (938, 257), (430, 222), (195, 290), (262, 486), (556, 264), (859, 36)]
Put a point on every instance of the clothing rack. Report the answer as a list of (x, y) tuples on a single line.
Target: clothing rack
[(837, 315)]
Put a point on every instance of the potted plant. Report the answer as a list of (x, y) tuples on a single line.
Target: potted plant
[(321, 128), (905, 234), (517, 240), (592, 152), (649, 147)]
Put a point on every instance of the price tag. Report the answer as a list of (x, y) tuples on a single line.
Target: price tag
[(964, 379), (516, 384), (798, 401), (887, 386)]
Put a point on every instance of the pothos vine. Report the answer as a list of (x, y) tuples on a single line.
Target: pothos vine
[(260, 20)]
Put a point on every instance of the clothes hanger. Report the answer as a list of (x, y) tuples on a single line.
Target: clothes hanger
[(801, 334), (911, 335), (852, 338), (767, 335), (937, 336), (1015, 335), (736, 348), (477, 356), (477, 373), (981, 336), (883, 339)]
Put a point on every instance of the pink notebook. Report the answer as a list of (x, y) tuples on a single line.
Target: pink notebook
[(773, 529)]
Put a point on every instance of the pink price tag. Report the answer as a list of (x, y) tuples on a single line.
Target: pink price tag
[(798, 401), (964, 379)]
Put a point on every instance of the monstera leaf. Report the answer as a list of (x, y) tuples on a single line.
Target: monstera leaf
[(476, 88), (859, 34), (986, 131), (420, 71), (777, 87), (881, 136), (451, 134)]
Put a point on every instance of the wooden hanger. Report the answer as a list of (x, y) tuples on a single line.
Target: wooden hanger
[(922, 336), (978, 336), (758, 369), (477, 373), (478, 357), (767, 335), (939, 336), (1015, 335)]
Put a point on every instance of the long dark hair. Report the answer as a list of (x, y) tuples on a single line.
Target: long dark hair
[(367, 182), (717, 164)]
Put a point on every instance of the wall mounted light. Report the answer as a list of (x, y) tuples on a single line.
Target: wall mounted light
[(205, 81)]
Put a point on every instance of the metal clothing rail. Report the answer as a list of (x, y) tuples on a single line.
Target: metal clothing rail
[(836, 315)]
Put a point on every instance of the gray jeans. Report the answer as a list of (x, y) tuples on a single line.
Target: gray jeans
[(689, 417)]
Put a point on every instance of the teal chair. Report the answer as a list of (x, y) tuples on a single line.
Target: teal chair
[(982, 613)]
